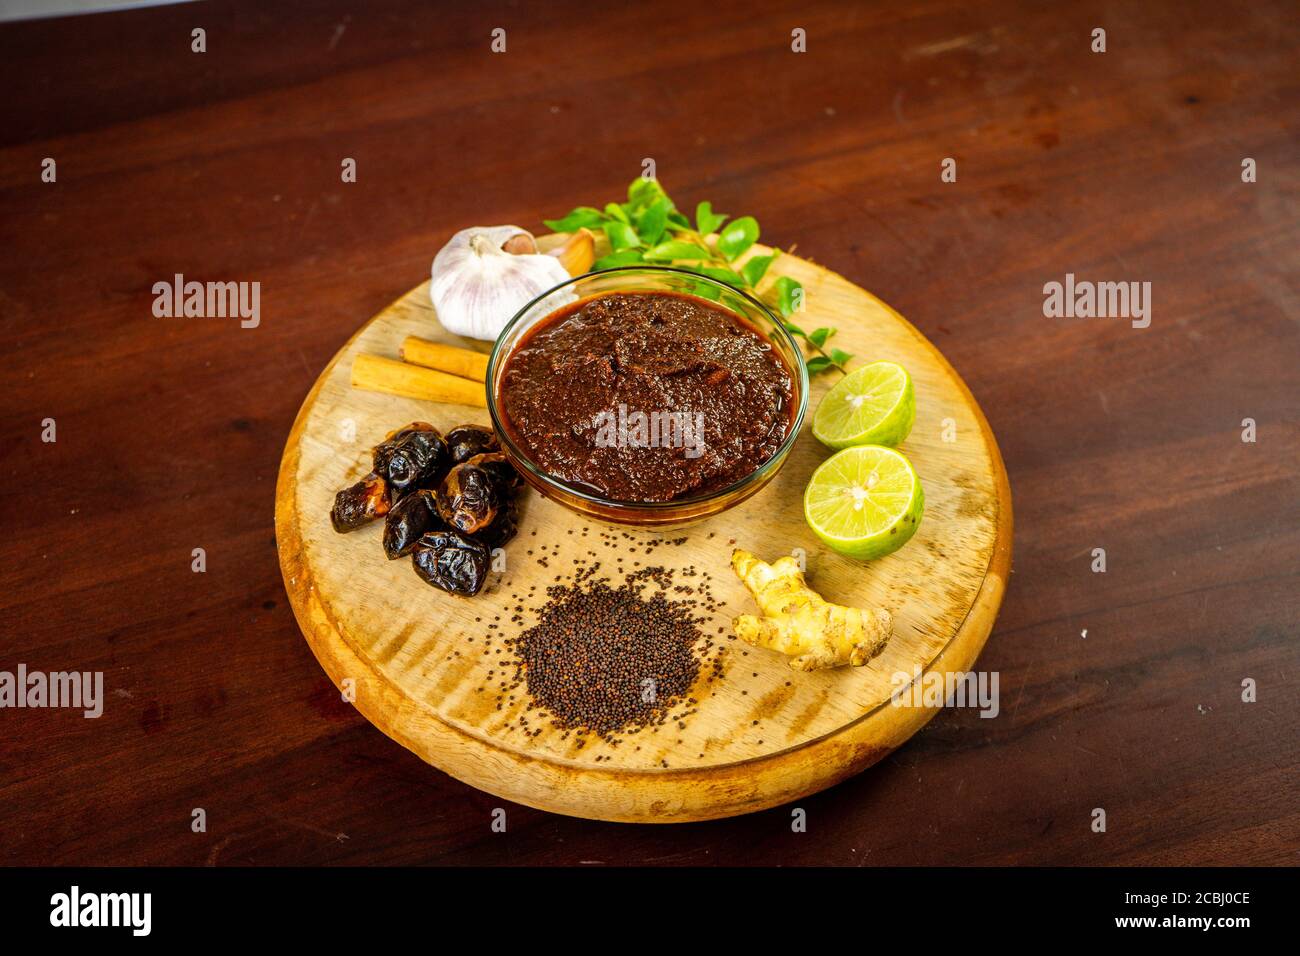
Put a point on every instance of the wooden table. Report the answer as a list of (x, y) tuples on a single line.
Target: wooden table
[(1120, 690)]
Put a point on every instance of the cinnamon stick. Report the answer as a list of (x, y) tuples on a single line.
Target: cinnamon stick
[(378, 374), (445, 358)]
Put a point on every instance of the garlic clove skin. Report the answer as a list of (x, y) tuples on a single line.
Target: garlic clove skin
[(520, 244), (576, 253), (477, 284)]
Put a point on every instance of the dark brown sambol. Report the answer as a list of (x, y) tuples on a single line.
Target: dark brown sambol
[(722, 394)]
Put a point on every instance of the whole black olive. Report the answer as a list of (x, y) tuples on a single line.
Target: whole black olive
[(466, 441), (452, 561), (467, 498), (502, 471), (366, 500), (407, 521), (418, 460)]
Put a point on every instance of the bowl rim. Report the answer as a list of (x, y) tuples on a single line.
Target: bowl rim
[(778, 457)]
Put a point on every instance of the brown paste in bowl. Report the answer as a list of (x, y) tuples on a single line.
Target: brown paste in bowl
[(646, 396)]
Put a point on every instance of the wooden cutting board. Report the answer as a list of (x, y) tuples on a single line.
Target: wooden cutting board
[(426, 670)]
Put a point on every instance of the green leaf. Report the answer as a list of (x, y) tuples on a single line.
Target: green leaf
[(795, 330), (789, 295), (675, 249), (642, 192), (818, 363), (628, 257), (706, 220), (678, 220), (584, 217), (706, 291), (840, 357), (737, 236), (818, 337), (621, 236), (756, 268), (652, 221), (614, 211), (720, 273)]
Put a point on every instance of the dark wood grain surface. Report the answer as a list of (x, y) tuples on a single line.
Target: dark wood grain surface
[(225, 166)]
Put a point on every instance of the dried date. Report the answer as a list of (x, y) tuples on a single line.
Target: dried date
[(366, 500), (467, 498), (407, 521), (466, 441), (501, 528), (384, 450), (506, 476), (417, 459), (452, 561)]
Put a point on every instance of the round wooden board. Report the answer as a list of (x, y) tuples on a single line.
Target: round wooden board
[(419, 659)]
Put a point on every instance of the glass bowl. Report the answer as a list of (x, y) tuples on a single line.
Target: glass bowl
[(647, 279)]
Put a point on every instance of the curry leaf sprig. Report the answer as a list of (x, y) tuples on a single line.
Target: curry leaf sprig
[(787, 296), (649, 228)]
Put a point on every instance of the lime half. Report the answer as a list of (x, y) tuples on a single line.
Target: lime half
[(872, 405), (865, 501)]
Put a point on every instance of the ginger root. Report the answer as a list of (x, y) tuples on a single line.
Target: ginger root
[(797, 622)]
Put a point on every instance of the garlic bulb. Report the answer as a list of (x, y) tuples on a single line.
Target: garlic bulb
[(486, 274)]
